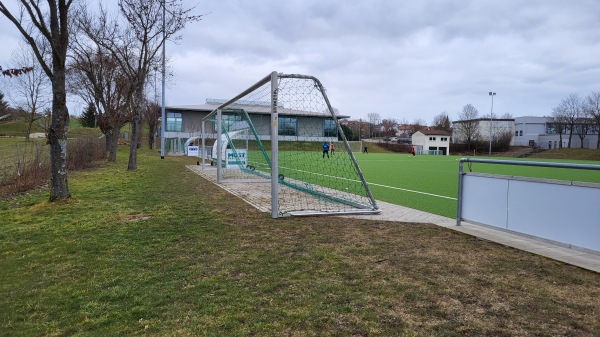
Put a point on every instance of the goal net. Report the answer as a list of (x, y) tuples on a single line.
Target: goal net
[(283, 130), (356, 146)]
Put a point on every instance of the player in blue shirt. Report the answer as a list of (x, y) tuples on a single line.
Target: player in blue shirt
[(325, 149)]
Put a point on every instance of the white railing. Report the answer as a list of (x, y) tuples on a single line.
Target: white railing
[(562, 211)]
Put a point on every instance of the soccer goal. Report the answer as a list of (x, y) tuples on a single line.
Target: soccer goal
[(284, 131), (356, 146)]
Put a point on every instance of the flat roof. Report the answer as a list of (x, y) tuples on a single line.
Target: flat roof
[(251, 109)]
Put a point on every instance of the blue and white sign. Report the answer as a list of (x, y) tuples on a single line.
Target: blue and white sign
[(193, 151)]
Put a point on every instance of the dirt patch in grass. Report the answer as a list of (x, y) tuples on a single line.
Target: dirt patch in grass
[(136, 217)]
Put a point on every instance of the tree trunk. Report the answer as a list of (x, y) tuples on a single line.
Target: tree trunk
[(112, 140), (30, 121), (151, 131), (135, 127), (57, 138), (29, 127), (560, 139)]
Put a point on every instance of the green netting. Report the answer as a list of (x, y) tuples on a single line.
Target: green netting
[(310, 179)]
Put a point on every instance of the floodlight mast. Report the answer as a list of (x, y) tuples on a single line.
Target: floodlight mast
[(491, 116), (163, 122)]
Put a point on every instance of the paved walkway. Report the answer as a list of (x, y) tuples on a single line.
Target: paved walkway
[(259, 197)]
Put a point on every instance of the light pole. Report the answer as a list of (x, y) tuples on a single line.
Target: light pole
[(163, 122), (491, 116)]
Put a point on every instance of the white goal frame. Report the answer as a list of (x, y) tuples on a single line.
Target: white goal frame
[(369, 207)]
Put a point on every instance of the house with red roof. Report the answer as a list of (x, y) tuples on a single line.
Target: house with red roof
[(432, 142)]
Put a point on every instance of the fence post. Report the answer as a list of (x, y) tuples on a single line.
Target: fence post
[(460, 190), (274, 146)]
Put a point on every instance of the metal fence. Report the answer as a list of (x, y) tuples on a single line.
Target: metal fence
[(562, 211)]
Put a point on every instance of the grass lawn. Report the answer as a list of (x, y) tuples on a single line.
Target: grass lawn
[(160, 251)]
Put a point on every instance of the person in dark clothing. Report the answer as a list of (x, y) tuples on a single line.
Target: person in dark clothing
[(325, 149)]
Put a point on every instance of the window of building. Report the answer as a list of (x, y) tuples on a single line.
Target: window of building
[(432, 138), (516, 132), (444, 139), (174, 122), (553, 128), (329, 128), (229, 121), (288, 126), (521, 133)]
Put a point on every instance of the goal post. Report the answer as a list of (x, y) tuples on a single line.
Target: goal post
[(284, 130)]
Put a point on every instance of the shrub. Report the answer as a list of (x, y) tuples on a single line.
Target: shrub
[(395, 147), (83, 153), (30, 166)]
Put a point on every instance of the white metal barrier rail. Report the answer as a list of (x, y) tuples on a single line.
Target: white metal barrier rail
[(561, 211)]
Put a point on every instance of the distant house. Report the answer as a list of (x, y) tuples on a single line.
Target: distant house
[(428, 141), (185, 121)]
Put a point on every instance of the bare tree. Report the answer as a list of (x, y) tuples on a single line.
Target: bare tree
[(387, 126), (582, 127), (30, 92), (374, 119), (466, 130), (136, 45), (442, 122), (417, 124), (97, 78), (592, 110), (151, 114), (559, 123), (42, 25), (570, 109)]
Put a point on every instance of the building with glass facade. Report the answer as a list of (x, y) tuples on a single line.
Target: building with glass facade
[(185, 121)]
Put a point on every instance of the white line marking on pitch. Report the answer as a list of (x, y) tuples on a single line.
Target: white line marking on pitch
[(412, 191), (374, 184)]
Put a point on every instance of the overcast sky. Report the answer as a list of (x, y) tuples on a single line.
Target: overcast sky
[(401, 59)]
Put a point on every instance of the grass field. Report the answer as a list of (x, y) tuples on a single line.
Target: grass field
[(161, 252), (404, 180), (427, 183)]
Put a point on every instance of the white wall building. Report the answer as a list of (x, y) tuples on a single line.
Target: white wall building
[(541, 132), (427, 140), (481, 131)]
